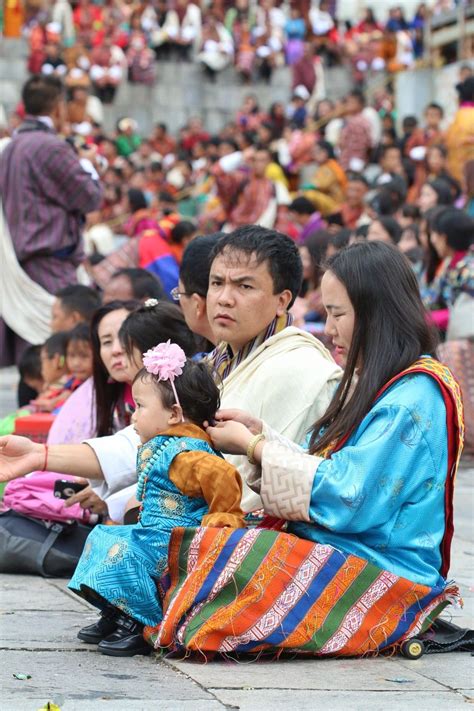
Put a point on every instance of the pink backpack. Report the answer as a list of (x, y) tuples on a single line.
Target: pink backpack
[(33, 495)]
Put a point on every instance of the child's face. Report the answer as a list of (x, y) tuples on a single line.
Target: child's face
[(151, 417), (79, 359), (52, 367)]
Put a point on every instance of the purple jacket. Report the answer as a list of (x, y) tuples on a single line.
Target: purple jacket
[(45, 194)]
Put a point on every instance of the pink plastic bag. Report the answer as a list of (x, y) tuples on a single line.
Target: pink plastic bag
[(33, 495)]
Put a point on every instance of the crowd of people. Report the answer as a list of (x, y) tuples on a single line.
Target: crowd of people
[(193, 400), (101, 45)]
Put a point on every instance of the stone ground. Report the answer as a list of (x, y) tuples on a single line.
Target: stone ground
[(40, 618)]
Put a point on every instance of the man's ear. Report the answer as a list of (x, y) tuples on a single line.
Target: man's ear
[(77, 317), (284, 299), (199, 303), (176, 415)]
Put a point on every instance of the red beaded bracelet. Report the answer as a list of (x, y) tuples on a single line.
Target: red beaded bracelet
[(45, 466)]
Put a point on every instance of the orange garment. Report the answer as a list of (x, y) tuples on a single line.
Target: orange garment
[(459, 140), (199, 474), (13, 18)]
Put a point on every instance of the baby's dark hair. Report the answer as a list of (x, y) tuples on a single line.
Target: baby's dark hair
[(56, 344), (197, 391), (81, 332), (30, 363)]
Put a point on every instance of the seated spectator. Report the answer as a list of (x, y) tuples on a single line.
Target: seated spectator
[(72, 305), (142, 217), (107, 69), (193, 285), (187, 23), (433, 193), (308, 219), (313, 254), (385, 229), (53, 62), (162, 25), (217, 48), (328, 184), (161, 141), (149, 251), (127, 140), (355, 140), (240, 20), (140, 58), (181, 235), (29, 368), (295, 32), (133, 283), (450, 236), (353, 207)]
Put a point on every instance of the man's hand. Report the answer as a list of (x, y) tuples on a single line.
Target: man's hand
[(88, 499), (230, 437), (19, 456)]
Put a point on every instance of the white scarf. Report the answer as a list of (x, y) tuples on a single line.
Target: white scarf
[(24, 305)]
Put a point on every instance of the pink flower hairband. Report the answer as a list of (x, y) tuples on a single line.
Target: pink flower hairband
[(166, 360)]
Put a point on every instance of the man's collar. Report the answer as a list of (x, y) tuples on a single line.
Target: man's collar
[(47, 120)]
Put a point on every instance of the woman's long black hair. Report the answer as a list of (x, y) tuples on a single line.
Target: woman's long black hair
[(108, 393), (390, 332)]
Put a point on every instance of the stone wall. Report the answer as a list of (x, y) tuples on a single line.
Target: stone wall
[(181, 91)]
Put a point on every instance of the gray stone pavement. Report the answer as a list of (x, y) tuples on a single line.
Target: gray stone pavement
[(39, 620)]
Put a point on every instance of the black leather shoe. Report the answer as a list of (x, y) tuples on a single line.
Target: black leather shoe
[(93, 634), (125, 642)]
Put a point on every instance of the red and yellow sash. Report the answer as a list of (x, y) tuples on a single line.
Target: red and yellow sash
[(451, 393)]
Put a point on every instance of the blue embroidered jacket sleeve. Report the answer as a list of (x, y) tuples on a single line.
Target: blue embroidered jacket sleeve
[(361, 486), (399, 444)]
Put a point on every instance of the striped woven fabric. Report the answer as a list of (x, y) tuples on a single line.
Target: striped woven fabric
[(252, 590)]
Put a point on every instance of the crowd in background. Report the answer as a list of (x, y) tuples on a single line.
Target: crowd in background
[(101, 44), (288, 222)]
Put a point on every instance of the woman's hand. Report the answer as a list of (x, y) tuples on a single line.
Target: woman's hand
[(251, 423), (88, 499), (19, 456), (230, 437)]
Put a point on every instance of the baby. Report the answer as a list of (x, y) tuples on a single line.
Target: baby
[(182, 481)]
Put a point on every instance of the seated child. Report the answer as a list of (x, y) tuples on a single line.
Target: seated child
[(53, 375), (30, 368), (66, 362), (182, 481)]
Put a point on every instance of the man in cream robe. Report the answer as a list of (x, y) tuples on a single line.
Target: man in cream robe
[(268, 368)]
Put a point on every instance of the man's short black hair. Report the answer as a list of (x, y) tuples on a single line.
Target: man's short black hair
[(357, 178), (302, 206), (275, 248), (144, 284), (41, 93), (80, 298), (196, 263), (183, 229), (409, 122)]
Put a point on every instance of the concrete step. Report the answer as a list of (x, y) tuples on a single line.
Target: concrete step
[(13, 48)]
